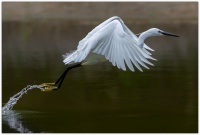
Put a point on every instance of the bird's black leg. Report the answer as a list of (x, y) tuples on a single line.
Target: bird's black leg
[(62, 77), (58, 83)]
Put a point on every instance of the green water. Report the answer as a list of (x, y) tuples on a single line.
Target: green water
[(99, 98)]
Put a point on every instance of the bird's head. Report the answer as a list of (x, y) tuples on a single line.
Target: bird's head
[(158, 32), (152, 32)]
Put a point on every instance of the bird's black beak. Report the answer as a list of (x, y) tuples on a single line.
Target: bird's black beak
[(168, 34)]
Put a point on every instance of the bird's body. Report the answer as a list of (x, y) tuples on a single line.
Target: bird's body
[(111, 40)]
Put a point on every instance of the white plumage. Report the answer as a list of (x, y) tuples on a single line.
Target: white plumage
[(113, 41)]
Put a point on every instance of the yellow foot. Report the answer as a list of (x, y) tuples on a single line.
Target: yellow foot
[(48, 87)]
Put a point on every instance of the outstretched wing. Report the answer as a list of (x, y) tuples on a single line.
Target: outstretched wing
[(96, 29), (118, 46), (84, 48), (116, 42)]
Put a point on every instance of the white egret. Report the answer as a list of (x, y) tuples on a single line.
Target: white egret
[(112, 40)]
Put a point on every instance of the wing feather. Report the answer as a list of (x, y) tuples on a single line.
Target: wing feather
[(133, 59), (136, 57), (121, 49), (116, 42), (96, 29)]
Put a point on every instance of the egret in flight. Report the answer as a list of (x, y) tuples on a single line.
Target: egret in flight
[(110, 41)]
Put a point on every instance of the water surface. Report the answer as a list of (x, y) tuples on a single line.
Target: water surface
[(99, 98)]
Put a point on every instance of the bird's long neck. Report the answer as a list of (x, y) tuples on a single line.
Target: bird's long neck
[(142, 37)]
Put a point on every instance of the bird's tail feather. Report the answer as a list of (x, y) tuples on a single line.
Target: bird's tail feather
[(74, 57), (68, 57), (67, 54)]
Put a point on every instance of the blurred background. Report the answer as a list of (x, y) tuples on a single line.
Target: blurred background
[(90, 12), (99, 98)]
